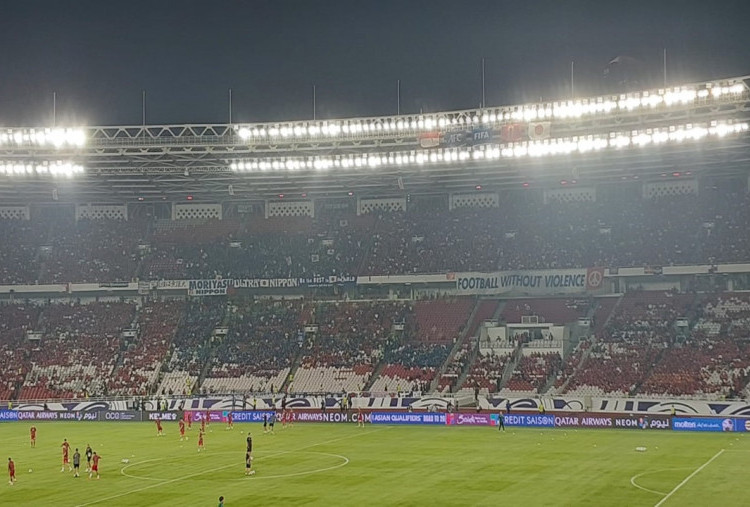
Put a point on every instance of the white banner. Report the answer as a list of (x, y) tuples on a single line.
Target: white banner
[(539, 282), (207, 287)]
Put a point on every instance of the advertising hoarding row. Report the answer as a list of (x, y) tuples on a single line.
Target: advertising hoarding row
[(582, 420)]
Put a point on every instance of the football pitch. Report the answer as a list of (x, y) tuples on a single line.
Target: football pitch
[(317, 464)]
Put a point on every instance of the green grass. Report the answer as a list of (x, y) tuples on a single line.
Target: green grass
[(318, 464)]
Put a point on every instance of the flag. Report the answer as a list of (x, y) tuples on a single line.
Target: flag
[(513, 133), (539, 130), (429, 139)]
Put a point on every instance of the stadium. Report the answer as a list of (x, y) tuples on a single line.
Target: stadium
[(545, 302), (569, 265)]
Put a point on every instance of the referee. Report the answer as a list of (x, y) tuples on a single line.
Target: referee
[(500, 422)]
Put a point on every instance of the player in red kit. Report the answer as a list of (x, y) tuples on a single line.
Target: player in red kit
[(12, 471), (360, 418), (32, 430), (203, 424), (159, 430), (182, 429), (65, 460), (190, 420), (200, 442), (95, 466), (230, 421)]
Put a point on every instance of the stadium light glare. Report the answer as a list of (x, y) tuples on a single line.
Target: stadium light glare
[(55, 169), (534, 148), (570, 109)]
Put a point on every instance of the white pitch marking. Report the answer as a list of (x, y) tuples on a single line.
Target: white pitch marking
[(344, 459), (308, 472), (120, 495), (650, 472), (697, 470)]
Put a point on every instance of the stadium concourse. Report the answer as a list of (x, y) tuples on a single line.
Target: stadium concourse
[(689, 338)]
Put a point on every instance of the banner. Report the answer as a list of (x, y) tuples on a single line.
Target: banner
[(530, 421), (407, 418), (120, 415), (461, 419), (729, 424), (8, 415), (641, 423), (250, 416), (332, 416), (207, 287), (209, 415), (539, 282), (48, 415), (479, 136), (164, 416), (219, 287)]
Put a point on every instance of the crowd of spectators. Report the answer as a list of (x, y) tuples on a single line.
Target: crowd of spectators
[(15, 321), (192, 346), (455, 368), (265, 336), (642, 326), (92, 251), (142, 358), (713, 360), (620, 229), (533, 371), (78, 349), (20, 243), (657, 343), (487, 371), (351, 334)]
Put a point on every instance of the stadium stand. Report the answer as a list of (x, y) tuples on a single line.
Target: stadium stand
[(531, 373), (713, 360), (92, 251), (621, 229), (641, 327), (78, 350), (142, 358), (15, 321), (349, 343), (260, 348), (192, 345)]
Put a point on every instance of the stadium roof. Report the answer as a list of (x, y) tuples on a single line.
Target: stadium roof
[(696, 129)]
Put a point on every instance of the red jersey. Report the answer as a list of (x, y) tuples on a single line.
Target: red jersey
[(11, 468), (96, 462), (65, 446), (158, 424), (33, 432), (182, 426), (200, 439)]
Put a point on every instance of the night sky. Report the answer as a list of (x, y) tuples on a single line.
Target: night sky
[(98, 55)]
